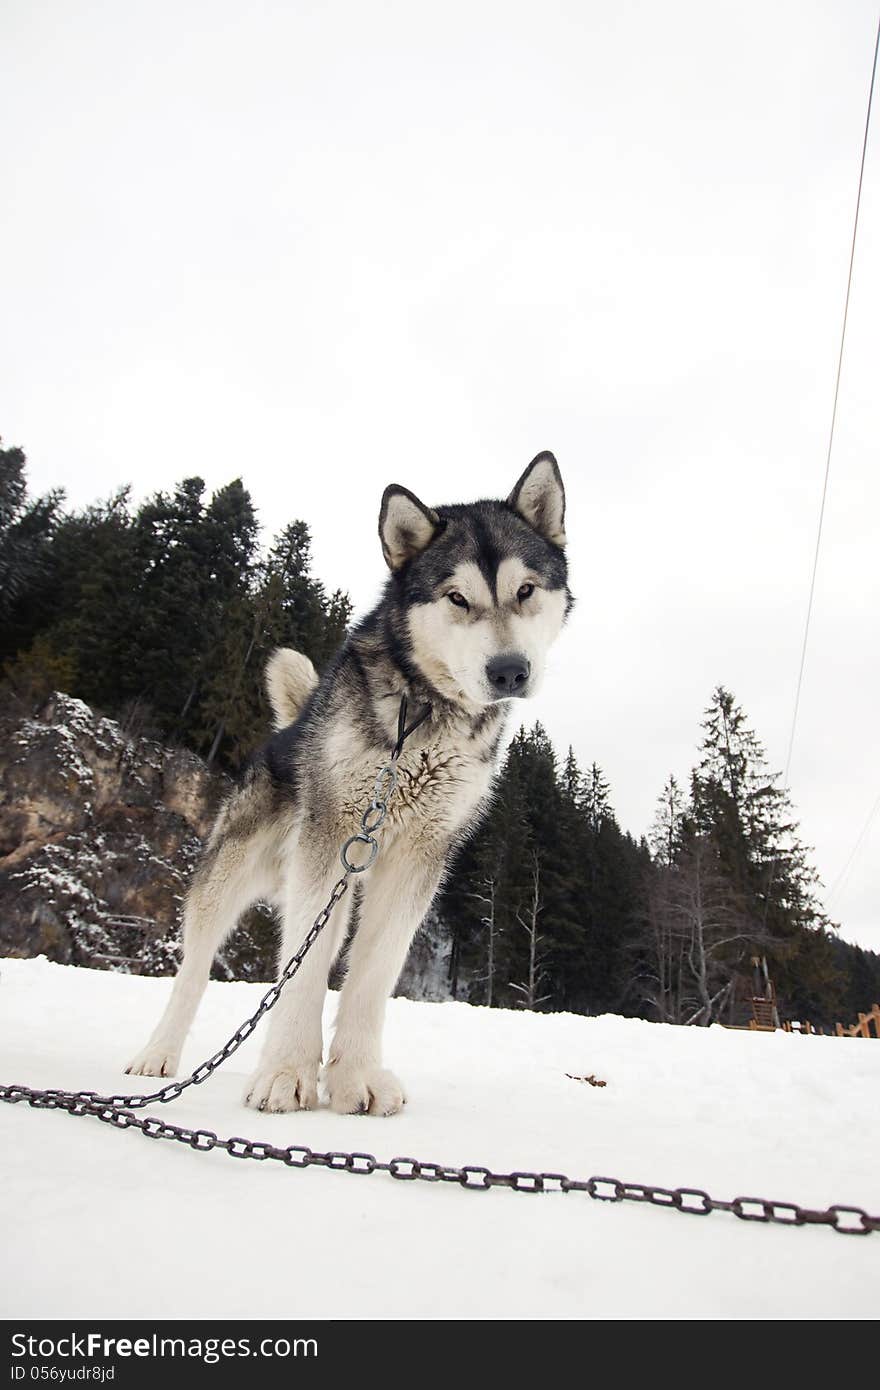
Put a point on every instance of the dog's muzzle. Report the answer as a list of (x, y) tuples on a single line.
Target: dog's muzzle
[(508, 675)]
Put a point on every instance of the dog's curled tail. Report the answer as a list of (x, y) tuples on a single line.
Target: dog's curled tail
[(290, 680)]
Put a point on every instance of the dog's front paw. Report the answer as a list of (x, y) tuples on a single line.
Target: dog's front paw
[(363, 1090), (279, 1086), (155, 1060)]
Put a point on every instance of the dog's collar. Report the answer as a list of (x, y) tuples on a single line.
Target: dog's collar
[(403, 729)]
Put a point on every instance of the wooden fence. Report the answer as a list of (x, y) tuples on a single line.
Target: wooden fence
[(862, 1029)]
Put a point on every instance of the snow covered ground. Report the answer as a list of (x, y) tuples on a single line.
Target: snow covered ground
[(101, 1223)]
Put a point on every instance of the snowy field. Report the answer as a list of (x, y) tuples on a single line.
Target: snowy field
[(100, 1223)]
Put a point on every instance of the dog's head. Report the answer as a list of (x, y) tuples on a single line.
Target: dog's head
[(481, 588)]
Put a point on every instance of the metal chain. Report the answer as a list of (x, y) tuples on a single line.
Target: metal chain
[(844, 1219), (119, 1110)]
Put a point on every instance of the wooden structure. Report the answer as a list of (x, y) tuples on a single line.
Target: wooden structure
[(862, 1029), (765, 1015), (761, 1003)]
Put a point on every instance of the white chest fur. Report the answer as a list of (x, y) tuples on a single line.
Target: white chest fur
[(440, 782)]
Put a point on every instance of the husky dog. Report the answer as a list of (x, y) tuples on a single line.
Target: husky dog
[(477, 593)]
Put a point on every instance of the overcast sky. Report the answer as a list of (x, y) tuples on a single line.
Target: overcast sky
[(328, 246)]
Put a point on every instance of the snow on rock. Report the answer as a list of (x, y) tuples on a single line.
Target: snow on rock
[(100, 1223), (98, 835)]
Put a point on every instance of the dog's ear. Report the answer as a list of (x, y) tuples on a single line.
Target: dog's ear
[(539, 497), (406, 525)]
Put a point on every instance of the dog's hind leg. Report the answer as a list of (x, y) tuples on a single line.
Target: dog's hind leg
[(287, 1077), (226, 882)]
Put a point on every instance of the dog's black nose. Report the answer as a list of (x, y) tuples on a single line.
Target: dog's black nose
[(508, 674)]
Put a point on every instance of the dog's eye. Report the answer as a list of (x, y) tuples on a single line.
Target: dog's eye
[(525, 591), (458, 599)]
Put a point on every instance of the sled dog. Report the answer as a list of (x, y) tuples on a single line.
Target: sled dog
[(476, 595)]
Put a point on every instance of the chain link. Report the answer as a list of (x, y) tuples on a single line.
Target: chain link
[(374, 817), (844, 1219), (120, 1110)]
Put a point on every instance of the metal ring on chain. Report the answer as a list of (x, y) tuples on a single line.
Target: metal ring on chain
[(373, 817), (364, 840)]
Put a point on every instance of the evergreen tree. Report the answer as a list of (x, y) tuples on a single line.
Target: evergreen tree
[(738, 828), (588, 874), (194, 562), (299, 611), (169, 611), (78, 614), (668, 826), (735, 799), (607, 891), (749, 818), (284, 606), (596, 799), (859, 972), (484, 879), (26, 529), (533, 764), (95, 590)]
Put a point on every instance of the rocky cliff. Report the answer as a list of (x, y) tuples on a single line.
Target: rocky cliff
[(99, 832)]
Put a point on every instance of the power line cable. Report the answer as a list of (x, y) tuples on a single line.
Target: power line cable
[(841, 877), (819, 529), (852, 254)]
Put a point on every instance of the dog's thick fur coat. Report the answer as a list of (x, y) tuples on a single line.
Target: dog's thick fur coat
[(476, 595)]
